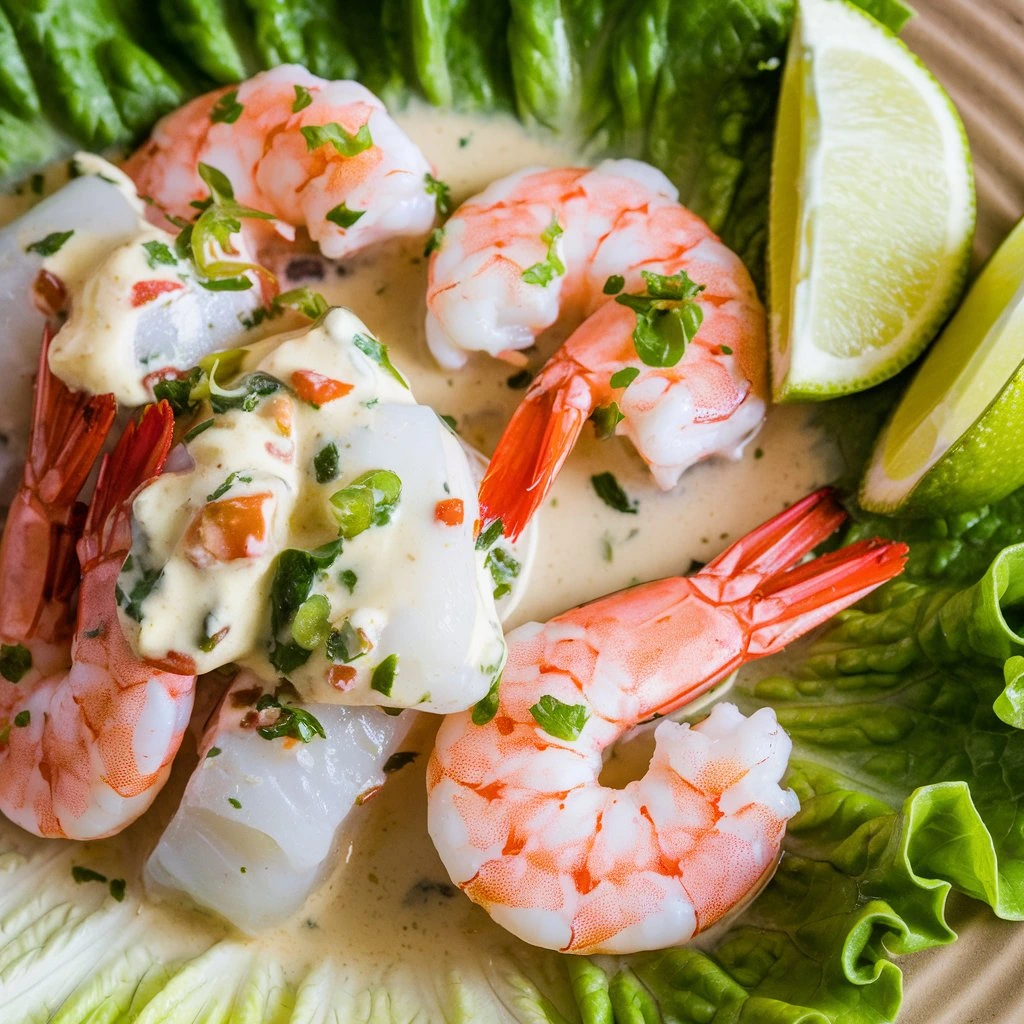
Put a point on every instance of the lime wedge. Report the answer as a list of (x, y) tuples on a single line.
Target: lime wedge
[(872, 206), (956, 439)]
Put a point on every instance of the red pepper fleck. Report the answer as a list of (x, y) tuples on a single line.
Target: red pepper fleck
[(317, 389), (341, 677), (147, 291), (450, 511)]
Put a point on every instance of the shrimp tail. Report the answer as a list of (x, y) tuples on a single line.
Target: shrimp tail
[(789, 600), (537, 440), (138, 457), (67, 433)]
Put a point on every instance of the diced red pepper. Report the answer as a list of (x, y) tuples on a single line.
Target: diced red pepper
[(341, 677), (147, 291), (317, 389), (228, 529), (451, 511)]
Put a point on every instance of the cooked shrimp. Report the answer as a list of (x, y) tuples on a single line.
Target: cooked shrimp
[(557, 245), (515, 807), (87, 732), (316, 154)]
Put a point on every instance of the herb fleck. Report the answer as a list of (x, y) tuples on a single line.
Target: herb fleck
[(544, 273), (303, 98), (563, 721), (51, 244), (325, 463), (227, 110), (383, 679), (15, 661), (667, 317), (611, 493)]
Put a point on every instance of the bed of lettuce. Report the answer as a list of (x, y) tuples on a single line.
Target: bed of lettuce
[(906, 714)]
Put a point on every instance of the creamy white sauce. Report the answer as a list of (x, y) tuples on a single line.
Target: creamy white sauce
[(386, 903)]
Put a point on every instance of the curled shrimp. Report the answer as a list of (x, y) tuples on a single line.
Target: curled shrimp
[(548, 246), (351, 179), (515, 808), (87, 731)]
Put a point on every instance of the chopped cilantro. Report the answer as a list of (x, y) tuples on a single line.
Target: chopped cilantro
[(345, 143), (213, 752), (192, 434), (159, 253), (15, 661), (293, 722), (614, 284), (434, 240), (343, 216), (227, 110), (347, 644), (606, 418), (503, 569), (495, 529), (235, 802), (141, 589), (611, 493), (303, 98), (563, 721), (383, 678), (51, 244), (667, 317), (544, 273), (487, 707), (228, 484), (325, 463), (378, 352), (349, 579), (624, 377), (442, 193), (80, 875), (117, 888), (23, 718)]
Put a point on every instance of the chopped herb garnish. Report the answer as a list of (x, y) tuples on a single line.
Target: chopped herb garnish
[(227, 110), (442, 193), (343, 216), (503, 569), (228, 484), (667, 317), (383, 678), (451, 423), (309, 303), (80, 875), (434, 240), (726, 350), (23, 718), (192, 434), (325, 463), (303, 98), (293, 580), (213, 752), (293, 722), (374, 350), (607, 551), (51, 244), (158, 253), (611, 493), (326, 555), (311, 625), (349, 579), (606, 418), (544, 273), (624, 377), (519, 380), (235, 802), (370, 500), (15, 661), (317, 135), (141, 589), (399, 760), (563, 721), (347, 644), (487, 707), (117, 888), (245, 395), (614, 284), (495, 529)]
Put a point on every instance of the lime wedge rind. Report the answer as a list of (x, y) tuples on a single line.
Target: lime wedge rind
[(805, 275), (955, 441)]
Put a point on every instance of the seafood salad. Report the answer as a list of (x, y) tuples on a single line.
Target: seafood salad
[(434, 582)]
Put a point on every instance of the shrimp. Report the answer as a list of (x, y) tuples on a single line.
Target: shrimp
[(316, 154), (87, 731), (547, 245), (515, 808)]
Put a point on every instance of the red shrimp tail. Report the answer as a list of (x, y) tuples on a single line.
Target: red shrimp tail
[(535, 444), (67, 434), (138, 457), (787, 600), (38, 565), (782, 541)]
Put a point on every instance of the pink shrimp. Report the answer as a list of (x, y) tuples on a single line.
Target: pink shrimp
[(369, 183), (87, 731), (515, 807), (542, 247)]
